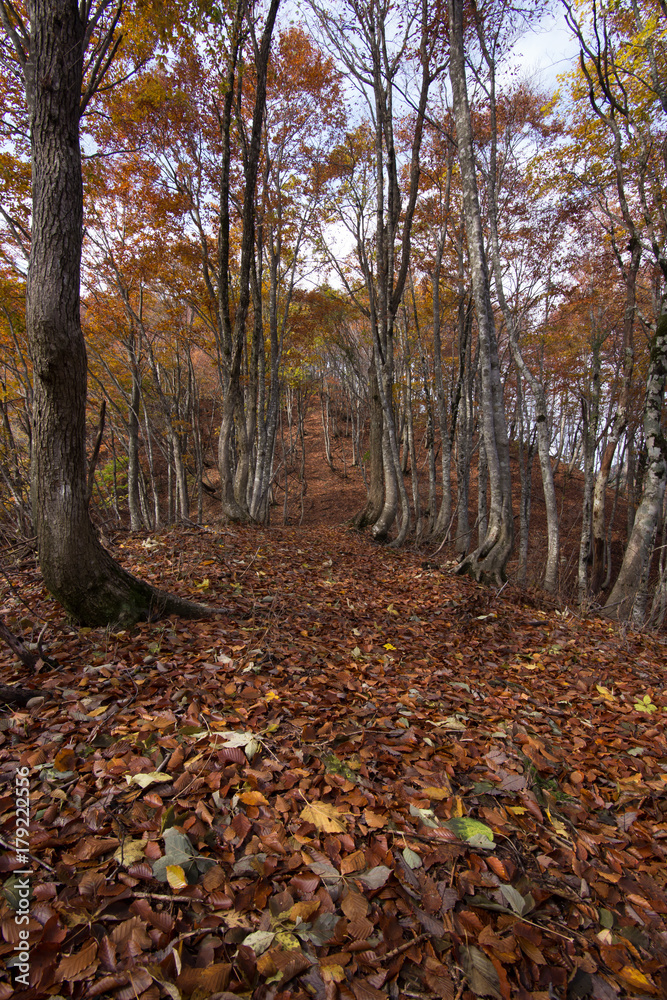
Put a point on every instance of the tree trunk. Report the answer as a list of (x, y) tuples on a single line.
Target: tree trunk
[(536, 387), (590, 416), (77, 570), (488, 561), (619, 422), (133, 446), (371, 511), (638, 552)]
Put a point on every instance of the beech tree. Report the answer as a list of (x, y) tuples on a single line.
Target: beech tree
[(52, 48), (498, 165), (488, 560), (374, 50), (622, 71)]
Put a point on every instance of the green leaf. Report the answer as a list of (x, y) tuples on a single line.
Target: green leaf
[(260, 941), (179, 852), (375, 878), (645, 705), (321, 931), (411, 858), (427, 816), (472, 831), (514, 898)]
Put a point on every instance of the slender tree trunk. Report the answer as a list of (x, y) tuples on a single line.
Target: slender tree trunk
[(619, 423), (464, 428), (482, 492), (133, 445), (536, 387), (488, 561), (590, 416), (414, 471), (444, 515)]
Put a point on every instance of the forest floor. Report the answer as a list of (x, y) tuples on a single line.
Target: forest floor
[(365, 777)]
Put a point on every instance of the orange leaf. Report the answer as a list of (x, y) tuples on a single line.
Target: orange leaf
[(253, 799)]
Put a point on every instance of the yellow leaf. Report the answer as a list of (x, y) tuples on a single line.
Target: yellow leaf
[(304, 910), (176, 877), (388, 645), (272, 696), (130, 851), (144, 780), (286, 940), (605, 692), (517, 810), (559, 827), (323, 816), (437, 793), (332, 973), (636, 978), (98, 711), (458, 809)]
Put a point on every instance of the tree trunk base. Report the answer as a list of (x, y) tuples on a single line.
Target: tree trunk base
[(99, 592), (11, 695), (487, 563)]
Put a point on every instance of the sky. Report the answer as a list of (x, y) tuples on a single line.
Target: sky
[(547, 52)]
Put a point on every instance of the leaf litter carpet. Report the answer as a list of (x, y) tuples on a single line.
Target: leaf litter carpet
[(365, 778)]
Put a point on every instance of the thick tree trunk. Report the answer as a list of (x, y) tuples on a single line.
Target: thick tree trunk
[(638, 552), (79, 573), (488, 561)]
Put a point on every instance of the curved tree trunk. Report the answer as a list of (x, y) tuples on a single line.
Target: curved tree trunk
[(638, 552), (77, 570)]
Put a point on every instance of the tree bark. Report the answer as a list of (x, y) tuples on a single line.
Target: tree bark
[(371, 511), (76, 569), (619, 422), (488, 561), (638, 552)]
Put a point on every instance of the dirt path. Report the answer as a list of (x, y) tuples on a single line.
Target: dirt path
[(333, 496)]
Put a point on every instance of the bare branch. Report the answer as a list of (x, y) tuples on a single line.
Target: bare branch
[(106, 50), (17, 31)]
